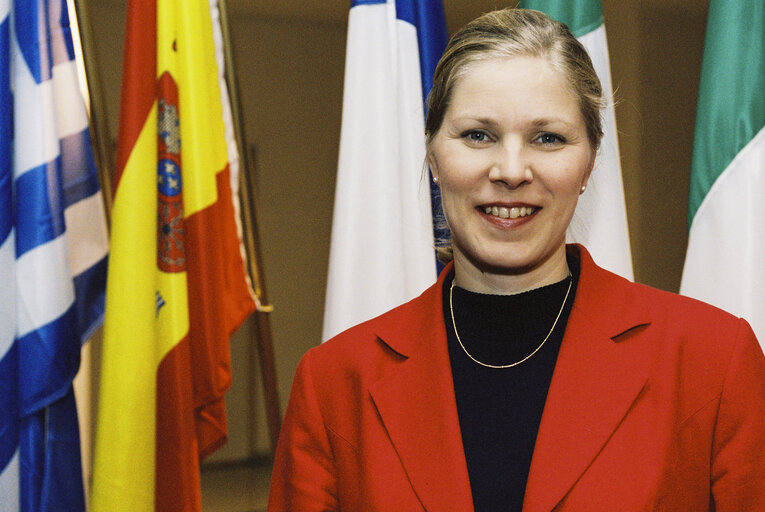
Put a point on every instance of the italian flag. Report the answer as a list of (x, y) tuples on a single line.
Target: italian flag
[(600, 220), (176, 285), (725, 262)]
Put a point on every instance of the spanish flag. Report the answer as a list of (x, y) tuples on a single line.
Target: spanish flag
[(177, 286)]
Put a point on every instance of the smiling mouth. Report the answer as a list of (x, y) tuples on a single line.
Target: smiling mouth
[(509, 213)]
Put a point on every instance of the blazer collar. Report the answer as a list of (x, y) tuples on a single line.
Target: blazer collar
[(594, 384), (613, 304), (417, 405)]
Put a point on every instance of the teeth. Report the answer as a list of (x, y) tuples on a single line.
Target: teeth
[(508, 213)]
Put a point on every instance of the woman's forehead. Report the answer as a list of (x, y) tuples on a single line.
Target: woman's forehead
[(519, 83)]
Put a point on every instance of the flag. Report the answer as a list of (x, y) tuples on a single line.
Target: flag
[(177, 286), (600, 219), (725, 259), (381, 251), (53, 248)]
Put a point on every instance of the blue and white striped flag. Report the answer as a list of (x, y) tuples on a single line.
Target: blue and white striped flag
[(381, 252), (53, 249)]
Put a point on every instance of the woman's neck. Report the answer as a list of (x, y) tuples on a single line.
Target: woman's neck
[(508, 281)]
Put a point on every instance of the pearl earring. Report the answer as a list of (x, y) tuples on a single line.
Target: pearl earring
[(584, 187), (435, 179)]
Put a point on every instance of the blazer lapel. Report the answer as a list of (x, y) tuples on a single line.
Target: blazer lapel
[(417, 406), (595, 383)]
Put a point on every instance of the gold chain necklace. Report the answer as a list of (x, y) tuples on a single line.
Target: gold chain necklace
[(498, 366)]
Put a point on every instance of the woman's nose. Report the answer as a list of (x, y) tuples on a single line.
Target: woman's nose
[(511, 166)]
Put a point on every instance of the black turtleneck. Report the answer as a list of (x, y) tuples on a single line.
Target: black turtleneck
[(500, 409)]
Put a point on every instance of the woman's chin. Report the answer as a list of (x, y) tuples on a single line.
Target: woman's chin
[(510, 259)]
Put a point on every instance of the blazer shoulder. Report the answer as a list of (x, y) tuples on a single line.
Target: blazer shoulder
[(360, 352), (687, 347), (664, 325), (397, 332), (685, 312), (619, 303), (695, 338)]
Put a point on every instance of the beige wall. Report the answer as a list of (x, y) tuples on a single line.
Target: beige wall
[(290, 71), (656, 52), (291, 75)]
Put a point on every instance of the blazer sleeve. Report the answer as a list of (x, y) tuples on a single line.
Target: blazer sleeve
[(303, 477), (738, 451)]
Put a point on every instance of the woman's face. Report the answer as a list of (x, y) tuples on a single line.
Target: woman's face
[(511, 157)]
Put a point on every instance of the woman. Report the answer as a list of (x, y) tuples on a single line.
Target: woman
[(526, 377)]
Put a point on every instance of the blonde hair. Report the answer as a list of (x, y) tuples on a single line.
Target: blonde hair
[(511, 33)]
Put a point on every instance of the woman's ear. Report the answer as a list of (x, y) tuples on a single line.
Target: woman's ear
[(587, 174), (433, 165)]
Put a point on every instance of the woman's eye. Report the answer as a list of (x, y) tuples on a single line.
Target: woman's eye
[(549, 139), (476, 136)]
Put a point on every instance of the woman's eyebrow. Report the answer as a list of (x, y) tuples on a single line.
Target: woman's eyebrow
[(547, 121), (474, 118)]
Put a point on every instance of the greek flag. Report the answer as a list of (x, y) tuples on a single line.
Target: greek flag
[(381, 253), (53, 249)]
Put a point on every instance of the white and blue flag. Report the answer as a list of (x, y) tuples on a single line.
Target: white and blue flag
[(53, 252), (381, 252)]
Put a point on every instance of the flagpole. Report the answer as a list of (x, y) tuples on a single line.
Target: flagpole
[(99, 126), (264, 339), (86, 382)]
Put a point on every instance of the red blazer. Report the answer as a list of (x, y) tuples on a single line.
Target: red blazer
[(657, 402)]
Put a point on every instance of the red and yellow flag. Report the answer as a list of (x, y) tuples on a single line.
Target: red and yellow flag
[(176, 288)]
